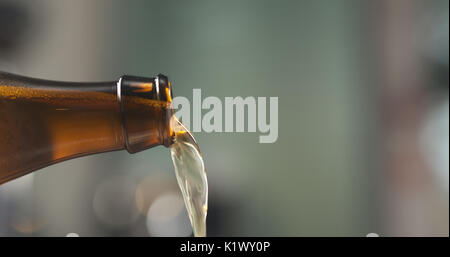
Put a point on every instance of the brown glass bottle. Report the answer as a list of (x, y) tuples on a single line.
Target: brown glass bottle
[(44, 122)]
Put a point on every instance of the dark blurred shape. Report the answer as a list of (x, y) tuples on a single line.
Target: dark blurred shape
[(438, 74), (13, 23)]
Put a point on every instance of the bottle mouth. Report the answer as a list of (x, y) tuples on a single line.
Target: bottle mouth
[(147, 110), (164, 89)]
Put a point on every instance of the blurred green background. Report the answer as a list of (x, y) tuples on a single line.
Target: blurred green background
[(363, 116)]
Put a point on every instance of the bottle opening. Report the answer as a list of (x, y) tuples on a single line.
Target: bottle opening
[(146, 107)]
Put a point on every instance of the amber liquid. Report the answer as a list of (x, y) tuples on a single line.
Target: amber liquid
[(191, 176), (45, 122)]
